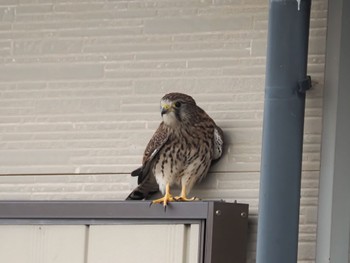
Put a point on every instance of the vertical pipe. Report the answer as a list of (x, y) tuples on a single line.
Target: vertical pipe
[(286, 83)]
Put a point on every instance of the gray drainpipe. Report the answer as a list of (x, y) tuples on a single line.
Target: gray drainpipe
[(286, 83)]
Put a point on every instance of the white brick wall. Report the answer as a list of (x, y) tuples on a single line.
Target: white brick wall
[(80, 83)]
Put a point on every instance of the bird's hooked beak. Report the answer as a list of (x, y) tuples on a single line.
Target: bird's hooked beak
[(165, 108)]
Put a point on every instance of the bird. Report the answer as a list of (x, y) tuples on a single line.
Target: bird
[(180, 151)]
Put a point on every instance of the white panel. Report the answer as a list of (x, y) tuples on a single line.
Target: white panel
[(42, 244), (141, 243), (192, 243)]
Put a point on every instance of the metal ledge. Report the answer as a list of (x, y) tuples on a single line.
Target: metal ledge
[(113, 209)]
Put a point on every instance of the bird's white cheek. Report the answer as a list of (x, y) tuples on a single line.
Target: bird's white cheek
[(170, 119)]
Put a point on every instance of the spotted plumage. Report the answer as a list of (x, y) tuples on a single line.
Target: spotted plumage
[(180, 151)]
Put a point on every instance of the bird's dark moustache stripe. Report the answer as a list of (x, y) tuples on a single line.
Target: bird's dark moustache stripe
[(177, 115)]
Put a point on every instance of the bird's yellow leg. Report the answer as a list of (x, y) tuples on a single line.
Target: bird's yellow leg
[(166, 198), (183, 196)]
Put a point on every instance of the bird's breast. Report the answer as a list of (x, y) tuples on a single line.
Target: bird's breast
[(181, 156)]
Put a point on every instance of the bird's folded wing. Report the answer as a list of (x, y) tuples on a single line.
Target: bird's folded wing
[(156, 143)]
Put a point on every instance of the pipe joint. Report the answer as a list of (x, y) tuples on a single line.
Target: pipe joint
[(304, 85)]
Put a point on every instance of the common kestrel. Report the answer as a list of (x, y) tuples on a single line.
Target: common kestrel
[(180, 151)]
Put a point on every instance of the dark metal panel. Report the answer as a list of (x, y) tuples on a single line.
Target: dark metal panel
[(227, 233)]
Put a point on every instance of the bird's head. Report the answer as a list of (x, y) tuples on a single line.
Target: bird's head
[(176, 108)]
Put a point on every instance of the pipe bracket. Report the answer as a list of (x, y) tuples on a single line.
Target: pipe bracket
[(305, 84)]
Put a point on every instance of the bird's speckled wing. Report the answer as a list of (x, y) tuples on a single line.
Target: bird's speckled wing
[(155, 144), (147, 183), (218, 143)]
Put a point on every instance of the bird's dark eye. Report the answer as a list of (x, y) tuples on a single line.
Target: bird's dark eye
[(177, 104)]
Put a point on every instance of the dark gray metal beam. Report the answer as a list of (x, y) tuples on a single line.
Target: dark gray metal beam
[(100, 210), (111, 210), (286, 83)]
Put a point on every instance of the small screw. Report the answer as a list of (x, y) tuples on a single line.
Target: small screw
[(218, 212), (244, 214)]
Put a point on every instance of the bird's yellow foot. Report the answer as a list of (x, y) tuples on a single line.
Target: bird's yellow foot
[(183, 196), (165, 200), (185, 199)]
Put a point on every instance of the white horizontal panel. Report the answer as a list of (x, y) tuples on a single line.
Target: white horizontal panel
[(143, 243), (42, 244)]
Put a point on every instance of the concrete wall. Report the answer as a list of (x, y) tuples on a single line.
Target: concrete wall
[(80, 83)]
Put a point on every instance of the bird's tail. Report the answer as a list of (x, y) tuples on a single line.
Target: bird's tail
[(136, 195), (139, 194), (145, 189)]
